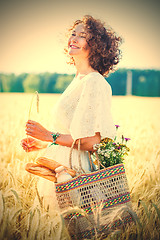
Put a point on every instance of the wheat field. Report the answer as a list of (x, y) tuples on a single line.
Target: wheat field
[(139, 120)]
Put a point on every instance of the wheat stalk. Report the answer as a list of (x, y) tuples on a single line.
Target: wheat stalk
[(34, 223), (2, 207)]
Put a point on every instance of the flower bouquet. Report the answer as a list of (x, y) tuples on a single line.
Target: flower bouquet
[(111, 152)]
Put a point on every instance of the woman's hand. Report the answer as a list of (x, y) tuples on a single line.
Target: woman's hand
[(36, 130), (30, 144)]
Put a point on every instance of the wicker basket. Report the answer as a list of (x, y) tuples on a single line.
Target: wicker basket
[(89, 199)]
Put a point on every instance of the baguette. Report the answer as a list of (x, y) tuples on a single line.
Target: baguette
[(41, 171), (52, 164)]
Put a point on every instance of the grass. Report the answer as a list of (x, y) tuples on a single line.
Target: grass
[(138, 118)]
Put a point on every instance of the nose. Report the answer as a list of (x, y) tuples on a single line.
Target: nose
[(74, 39)]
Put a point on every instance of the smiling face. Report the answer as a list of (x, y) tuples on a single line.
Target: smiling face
[(77, 44)]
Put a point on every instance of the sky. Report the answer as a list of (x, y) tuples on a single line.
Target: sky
[(32, 32)]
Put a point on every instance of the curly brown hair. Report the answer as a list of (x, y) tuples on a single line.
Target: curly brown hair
[(103, 42)]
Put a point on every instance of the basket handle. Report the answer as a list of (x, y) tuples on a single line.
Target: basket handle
[(79, 157), (99, 163), (97, 159)]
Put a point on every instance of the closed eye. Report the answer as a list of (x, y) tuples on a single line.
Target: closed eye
[(82, 36)]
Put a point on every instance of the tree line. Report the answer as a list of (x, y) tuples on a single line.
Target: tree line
[(144, 82)]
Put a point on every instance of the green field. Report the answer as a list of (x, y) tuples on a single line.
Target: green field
[(139, 119)]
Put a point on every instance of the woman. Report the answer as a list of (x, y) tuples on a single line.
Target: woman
[(83, 110)]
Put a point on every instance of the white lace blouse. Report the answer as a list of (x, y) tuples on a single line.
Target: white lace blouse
[(82, 110)]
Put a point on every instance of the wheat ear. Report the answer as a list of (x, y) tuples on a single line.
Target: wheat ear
[(30, 108), (37, 95)]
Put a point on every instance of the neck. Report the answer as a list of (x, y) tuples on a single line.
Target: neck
[(82, 66)]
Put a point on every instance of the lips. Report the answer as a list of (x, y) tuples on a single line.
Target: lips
[(73, 47)]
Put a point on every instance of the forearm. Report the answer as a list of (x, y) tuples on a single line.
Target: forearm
[(86, 143), (62, 139), (37, 131)]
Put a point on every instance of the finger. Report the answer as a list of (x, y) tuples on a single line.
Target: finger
[(29, 129), (23, 145), (29, 121), (31, 149), (24, 140), (28, 140), (31, 144), (30, 134), (30, 125), (33, 134), (27, 145), (25, 148), (32, 122)]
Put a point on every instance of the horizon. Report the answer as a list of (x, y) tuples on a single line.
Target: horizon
[(72, 73)]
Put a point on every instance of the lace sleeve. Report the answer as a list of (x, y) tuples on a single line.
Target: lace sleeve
[(93, 111)]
